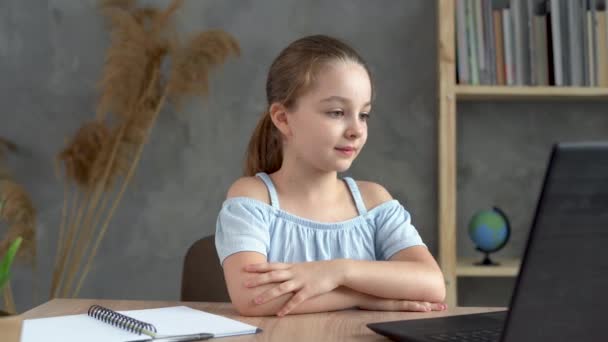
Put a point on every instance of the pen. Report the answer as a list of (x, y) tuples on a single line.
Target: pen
[(179, 338)]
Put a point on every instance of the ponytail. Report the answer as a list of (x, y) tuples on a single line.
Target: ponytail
[(264, 153)]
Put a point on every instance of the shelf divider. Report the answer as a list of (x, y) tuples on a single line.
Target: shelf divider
[(505, 93)]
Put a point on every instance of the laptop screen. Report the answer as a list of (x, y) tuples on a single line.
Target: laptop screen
[(562, 286)]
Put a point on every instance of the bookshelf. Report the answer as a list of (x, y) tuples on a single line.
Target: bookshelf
[(467, 92), (466, 268), (449, 93)]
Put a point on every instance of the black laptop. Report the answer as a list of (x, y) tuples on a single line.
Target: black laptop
[(561, 293)]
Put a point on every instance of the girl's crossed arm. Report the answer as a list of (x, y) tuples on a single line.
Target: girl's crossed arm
[(410, 275), (243, 294)]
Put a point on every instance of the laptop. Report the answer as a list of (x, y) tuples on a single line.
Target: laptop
[(561, 292)]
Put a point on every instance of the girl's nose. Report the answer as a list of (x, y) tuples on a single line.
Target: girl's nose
[(355, 129)]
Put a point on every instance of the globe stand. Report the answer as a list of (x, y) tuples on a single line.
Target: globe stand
[(487, 261)]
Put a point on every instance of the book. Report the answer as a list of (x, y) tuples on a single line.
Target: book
[(462, 41), (500, 51), (601, 52), (575, 47), (472, 41), (556, 42), (490, 52), (520, 43), (482, 61), (508, 46), (542, 49), (102, 324)]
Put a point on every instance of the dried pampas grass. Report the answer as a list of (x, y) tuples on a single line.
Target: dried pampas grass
[(82, 152), (18, 213), (192, 63), (100, 161), (125, 66), (16, 204)]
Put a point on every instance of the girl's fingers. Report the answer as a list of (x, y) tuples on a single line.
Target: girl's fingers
[(423, 306), (403, 305), (415, 306), (296, 300), (275, 292), (269, 277), (439, 306)]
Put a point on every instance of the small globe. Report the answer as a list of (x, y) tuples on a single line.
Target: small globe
[(489, 230)]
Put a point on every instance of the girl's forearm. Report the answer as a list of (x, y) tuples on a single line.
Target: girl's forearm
[(394, 279), (339, 299)]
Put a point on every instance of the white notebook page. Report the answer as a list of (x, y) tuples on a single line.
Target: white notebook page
[(177, 320)]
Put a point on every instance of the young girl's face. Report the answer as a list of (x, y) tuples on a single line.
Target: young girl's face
[(329, 122)]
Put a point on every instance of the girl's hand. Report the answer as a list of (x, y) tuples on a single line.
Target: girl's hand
[(306, 280), (383, 304)]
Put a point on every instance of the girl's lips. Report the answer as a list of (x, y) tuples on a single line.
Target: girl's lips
[(348, 151)]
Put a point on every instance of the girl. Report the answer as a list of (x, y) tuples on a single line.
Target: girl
[(292, 237)]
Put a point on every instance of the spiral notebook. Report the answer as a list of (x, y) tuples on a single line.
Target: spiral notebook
[(101, 324)]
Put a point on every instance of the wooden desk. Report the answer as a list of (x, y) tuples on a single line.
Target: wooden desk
[(346, 325)]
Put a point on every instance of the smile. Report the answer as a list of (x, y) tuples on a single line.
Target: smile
[(347, 151)]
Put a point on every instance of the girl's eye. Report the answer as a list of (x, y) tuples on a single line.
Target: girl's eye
[(336, 113), (364, 116)]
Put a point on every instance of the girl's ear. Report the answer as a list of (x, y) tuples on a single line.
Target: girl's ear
[(278, 115)]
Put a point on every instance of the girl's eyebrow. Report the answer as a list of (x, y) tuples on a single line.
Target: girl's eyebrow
[(341, 99)]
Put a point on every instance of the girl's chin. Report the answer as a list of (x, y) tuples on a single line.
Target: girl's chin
[(342, 167)]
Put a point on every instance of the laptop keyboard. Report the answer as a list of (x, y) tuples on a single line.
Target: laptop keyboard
[(483, 335)]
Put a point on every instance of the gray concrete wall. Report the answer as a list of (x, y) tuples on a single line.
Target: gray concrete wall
[(51, 54)]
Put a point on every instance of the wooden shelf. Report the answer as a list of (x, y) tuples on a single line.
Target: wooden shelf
[(467, 92), (508, 268)]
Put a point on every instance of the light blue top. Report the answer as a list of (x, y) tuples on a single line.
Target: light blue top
[(246, 224)]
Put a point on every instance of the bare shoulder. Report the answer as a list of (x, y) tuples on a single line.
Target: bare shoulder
[(373, 194), (252, 187)]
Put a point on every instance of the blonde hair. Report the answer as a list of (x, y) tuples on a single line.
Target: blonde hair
[(292, 74)]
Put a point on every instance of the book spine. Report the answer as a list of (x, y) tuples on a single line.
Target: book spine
[(593, 53), (566, 45), (489, 41), (575, 47), (508, 43), (500, 51), (542, 48), (532, 53), (473, 66), (585, 37), (462, 43), (550, 67), (481, 48), (557, 42), (602, 47)]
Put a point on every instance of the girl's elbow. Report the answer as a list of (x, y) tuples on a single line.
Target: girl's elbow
[(438, 292), (248, 309), (242, 301)]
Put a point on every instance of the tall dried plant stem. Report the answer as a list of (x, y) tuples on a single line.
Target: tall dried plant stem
[(93, 213), (118, 198), (9, 301), (98, 192), (77, 211), (71, 240), (84, 245), (62, 229)]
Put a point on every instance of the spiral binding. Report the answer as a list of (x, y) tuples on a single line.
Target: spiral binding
[(121, 321)]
